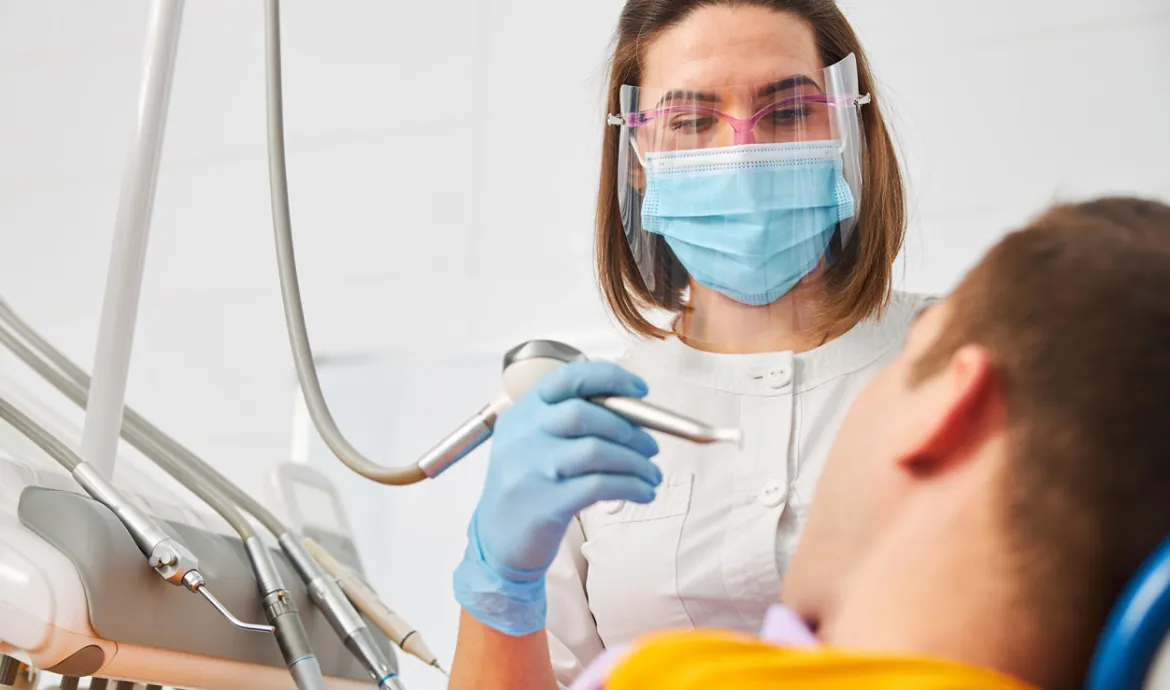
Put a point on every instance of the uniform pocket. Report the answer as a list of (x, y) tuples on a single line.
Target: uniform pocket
[(632, 555)]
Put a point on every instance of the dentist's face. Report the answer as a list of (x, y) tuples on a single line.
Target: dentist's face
[(771, 57)]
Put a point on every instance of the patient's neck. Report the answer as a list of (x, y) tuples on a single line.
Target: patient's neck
[(940, 585)]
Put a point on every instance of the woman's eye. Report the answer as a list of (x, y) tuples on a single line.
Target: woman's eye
[(691, 124), (789, 114)]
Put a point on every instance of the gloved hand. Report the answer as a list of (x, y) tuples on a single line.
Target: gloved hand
[(553, 454)]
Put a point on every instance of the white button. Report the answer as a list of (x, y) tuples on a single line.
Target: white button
[(779, 377), (612, 507), (772, 494)]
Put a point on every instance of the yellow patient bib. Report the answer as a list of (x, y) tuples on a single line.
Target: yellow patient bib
[(704, 660)]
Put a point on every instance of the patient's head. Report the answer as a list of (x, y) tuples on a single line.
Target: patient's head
[(992, 490)]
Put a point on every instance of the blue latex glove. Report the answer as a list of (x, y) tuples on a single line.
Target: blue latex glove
[(553, 454)]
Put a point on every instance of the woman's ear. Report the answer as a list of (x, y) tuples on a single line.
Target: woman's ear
[(637, 169)]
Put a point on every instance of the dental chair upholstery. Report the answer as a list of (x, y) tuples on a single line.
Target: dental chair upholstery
[(1134, 650)]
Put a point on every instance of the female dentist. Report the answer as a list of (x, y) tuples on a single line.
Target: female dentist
[(750, 194)]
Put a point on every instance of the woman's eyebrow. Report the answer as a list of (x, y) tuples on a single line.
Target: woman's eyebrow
[(684, 95), (788, 84)]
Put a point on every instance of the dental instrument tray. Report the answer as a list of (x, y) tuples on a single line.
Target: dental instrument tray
[(88, 605)]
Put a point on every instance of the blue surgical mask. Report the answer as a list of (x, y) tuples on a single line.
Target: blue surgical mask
[(748, 221)]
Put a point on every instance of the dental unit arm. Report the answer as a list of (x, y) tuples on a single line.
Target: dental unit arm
[(103, 396), (173, 561), (282, 614), (76, 600), (216, 490)]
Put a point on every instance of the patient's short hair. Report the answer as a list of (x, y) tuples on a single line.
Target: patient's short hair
[(1075, 312)]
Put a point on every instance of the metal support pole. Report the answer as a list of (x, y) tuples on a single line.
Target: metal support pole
[(107, 393)]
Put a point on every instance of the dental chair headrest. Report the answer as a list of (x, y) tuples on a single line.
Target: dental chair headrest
[(1133, 652)]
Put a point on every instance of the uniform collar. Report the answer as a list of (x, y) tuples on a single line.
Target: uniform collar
[(779, 373)]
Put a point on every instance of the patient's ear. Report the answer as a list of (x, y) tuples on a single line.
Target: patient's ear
[(954, 410)]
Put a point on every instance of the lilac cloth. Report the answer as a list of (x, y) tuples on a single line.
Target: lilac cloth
[(782, 627)]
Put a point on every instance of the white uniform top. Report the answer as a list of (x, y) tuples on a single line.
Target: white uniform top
[(710, 550)]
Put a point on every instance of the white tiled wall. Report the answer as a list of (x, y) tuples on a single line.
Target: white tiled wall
[(443, 159)]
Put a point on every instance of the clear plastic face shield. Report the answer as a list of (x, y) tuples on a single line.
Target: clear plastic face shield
[(734, 197)]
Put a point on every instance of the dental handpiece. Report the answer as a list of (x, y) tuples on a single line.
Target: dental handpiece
[(405, 635), (529, 362), (657, 418)]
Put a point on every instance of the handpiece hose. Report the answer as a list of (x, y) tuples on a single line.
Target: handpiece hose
[(290, 290)]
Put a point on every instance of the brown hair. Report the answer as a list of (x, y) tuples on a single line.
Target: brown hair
[(1075, 313), (858, 283)]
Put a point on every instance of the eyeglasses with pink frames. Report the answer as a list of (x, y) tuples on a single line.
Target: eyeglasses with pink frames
[(744, 127)]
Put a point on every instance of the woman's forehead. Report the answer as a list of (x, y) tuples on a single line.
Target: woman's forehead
[(721, 46)]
